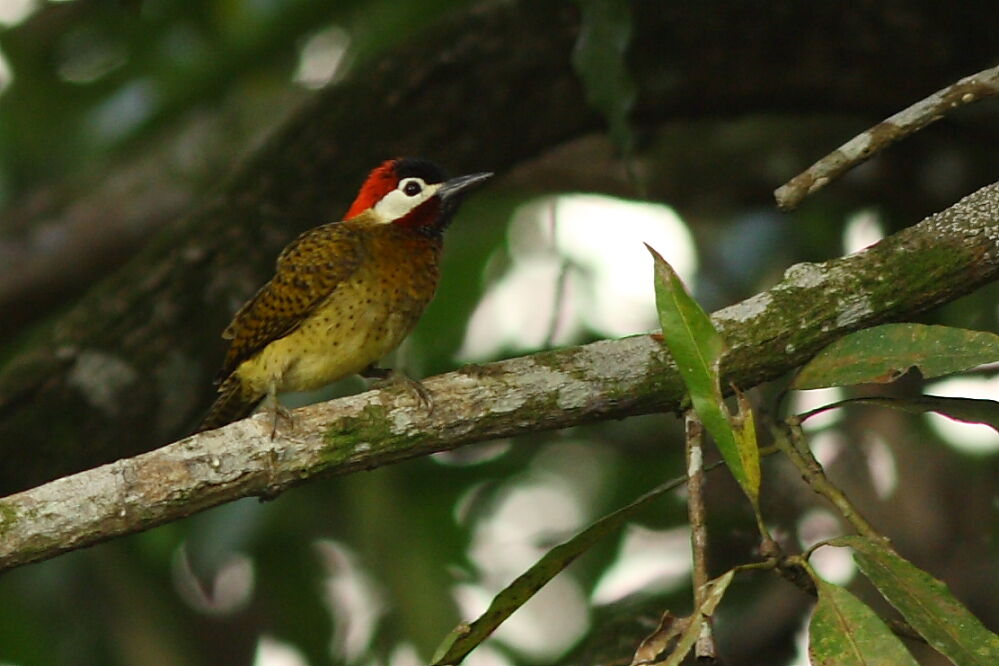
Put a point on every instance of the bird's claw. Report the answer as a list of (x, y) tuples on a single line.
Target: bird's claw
[(422, 394), (388, 378), (281, 413), (278, 412)]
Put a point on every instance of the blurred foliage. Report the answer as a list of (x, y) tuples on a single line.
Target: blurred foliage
[(350, 569), (600, 58), (91, 78)]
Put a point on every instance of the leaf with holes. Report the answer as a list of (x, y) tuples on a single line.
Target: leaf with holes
[(845, 632), (659, 641), (925, 603), (884, 353)]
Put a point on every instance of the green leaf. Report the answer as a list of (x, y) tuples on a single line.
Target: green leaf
[(845, 632), (697, 349), (925, 603), (714, 591), (465, 637), (744, 428), (884, 353), (599, 58)]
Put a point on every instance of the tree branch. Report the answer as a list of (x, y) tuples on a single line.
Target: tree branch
[(129, 367), (941, 258), (869, 143)]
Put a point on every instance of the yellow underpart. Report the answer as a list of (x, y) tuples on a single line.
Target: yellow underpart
[(363, 319)]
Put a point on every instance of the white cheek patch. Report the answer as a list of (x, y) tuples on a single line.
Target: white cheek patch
[(397, 204)]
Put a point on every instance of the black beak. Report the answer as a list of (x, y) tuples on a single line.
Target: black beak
[(454, 187)]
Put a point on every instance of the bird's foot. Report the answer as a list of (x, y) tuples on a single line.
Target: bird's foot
[(386, 378), (278, 413), (281, 413)]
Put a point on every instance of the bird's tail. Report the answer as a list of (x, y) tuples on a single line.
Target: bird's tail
[(231, 405)]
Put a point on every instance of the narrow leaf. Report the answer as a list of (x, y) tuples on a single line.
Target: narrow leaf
[(466, 636), (845, 632), (744, 427), (599, 58), (966, 410), (883, 353), (715, 590), (925, 603), (697, 349), (669, 629)]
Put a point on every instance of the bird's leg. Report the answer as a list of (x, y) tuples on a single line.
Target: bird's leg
[(388, 377), (277, 410)]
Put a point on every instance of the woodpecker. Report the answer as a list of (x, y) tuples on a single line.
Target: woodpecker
[(343, 294)]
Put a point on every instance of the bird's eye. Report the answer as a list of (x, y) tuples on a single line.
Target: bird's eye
[(412, 188)]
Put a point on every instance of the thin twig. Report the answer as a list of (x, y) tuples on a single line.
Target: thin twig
[(705, 647), (791, 442), (862, 147)]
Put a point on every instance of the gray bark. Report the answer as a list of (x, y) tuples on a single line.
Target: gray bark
[(129, 367), (939, 259)]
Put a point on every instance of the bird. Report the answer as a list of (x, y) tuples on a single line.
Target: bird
[(343, 294)]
